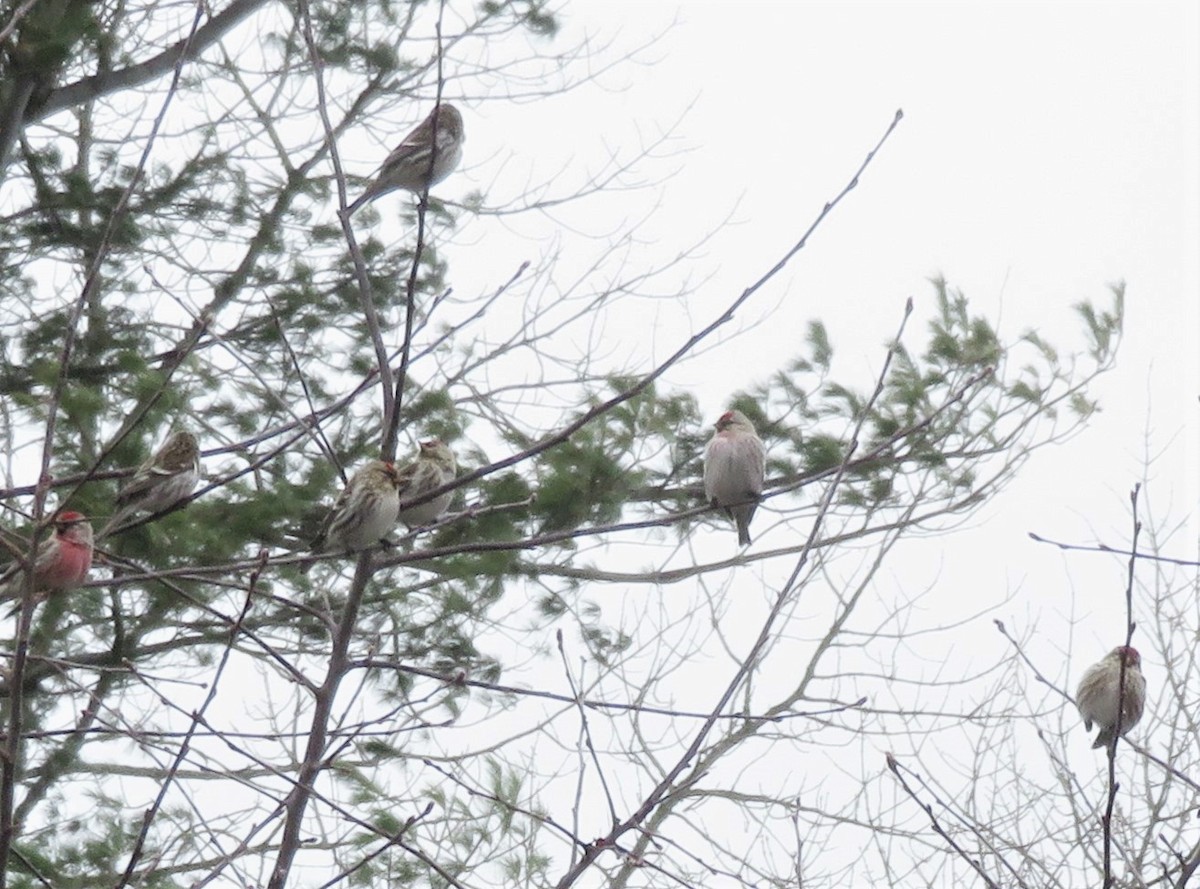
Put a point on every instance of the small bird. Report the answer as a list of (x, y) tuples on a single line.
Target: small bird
[(365, 511), (415, 165), (1099, 689), (160, 482), (62, 563), (734, 470), (434, 467)]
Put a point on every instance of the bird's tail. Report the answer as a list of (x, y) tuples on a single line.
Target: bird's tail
[(114, 524), (365, 198), (743, 529)]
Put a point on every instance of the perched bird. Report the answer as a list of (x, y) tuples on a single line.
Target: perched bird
[(434, 467), (1099, 690), (62, 563), (415, 164), (365, 511), (160, 482), (734, 469)]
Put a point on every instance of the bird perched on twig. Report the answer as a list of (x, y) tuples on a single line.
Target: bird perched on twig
[(365, 511), (1099, 691), (159, 483), (424, 158), (63, 560), (435, 466), (734, 470)]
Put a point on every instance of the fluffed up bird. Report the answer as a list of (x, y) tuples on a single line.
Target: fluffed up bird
[(160, 482), (435, 466), (364, 513), (1099, 690), (735, 465), (417, 163), (63, 560)]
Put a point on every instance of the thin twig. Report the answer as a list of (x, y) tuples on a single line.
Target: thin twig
[(1112, 550), (19, 13), (586, 730), (462, 680), (391, 414), (895, 767), (366, 300), (667, 783), (8, 768), (1113, 785), (314, 753), (1161, 763), (394, 840), (687, 347), (197, 718)]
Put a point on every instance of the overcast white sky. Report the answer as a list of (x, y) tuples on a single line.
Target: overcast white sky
[(1047, 150)]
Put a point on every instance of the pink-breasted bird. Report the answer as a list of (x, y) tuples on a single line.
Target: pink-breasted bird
[(63, 560), (735, 464), (1099, 690), (422, 160)]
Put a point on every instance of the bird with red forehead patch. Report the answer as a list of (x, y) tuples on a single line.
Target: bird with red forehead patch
[(63, 560), (1099, 695), (435, 466), (735, 465)]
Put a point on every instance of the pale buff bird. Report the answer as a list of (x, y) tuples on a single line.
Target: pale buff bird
[(734, 470), (435, 466), (364, 513), (1099, 690), (414, 165), (159, 483)]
